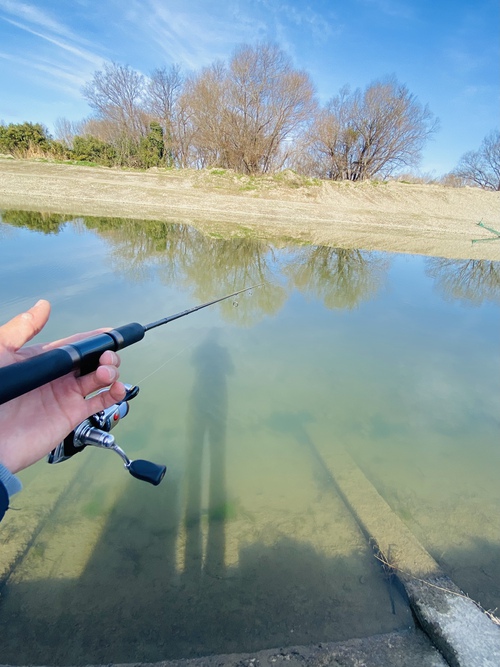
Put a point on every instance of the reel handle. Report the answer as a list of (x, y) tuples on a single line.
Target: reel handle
[(147, 471)]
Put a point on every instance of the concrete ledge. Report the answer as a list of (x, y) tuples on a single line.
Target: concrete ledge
[(399, 649), (455, 624)]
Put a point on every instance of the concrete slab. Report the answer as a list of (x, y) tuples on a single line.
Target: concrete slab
[(400, 649), (457, 626)]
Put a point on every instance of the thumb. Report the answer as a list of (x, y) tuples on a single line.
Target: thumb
[(22, 328)]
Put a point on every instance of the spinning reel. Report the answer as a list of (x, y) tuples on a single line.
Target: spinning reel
[(95, 431)]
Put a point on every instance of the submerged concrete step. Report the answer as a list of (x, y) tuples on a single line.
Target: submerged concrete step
[(31, 509), (454, 624), (461, 630)]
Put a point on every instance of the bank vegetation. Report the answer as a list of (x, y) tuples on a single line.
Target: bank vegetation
[(255, 114)]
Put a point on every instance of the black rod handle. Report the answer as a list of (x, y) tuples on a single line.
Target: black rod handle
[(20, 378)]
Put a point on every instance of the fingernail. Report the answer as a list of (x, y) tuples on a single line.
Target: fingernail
[(113, 373)]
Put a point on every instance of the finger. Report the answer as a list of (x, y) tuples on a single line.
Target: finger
[(105, 399), (22, 328), (100, 378), (117, 392), (110, 358)]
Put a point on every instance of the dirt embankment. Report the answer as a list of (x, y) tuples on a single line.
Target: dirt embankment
[(397, 217)]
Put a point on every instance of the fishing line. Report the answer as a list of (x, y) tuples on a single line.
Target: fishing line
[(235, 304), (168, 361)]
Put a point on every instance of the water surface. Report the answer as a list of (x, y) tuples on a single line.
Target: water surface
[(245, 544)]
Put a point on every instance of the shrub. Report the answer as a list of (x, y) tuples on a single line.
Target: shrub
[(21, 138), (91, 149)]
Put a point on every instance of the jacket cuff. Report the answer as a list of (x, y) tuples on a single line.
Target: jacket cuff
[(11, 483)]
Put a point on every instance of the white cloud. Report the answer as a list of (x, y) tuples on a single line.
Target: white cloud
[(394, 8), (193, 37), (50, 56), (319, 25), (78, 52), (69, 59), (32, 14), (196, 34), (60, 76)]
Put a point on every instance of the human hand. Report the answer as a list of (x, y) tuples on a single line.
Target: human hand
[(33, 424)]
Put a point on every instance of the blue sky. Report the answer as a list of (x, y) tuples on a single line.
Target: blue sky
[(446, 51)]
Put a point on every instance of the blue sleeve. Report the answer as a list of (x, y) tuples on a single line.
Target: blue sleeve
[(9, 485), (4, 500)]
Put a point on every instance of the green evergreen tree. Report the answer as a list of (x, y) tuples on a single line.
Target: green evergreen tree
[(152, 147)]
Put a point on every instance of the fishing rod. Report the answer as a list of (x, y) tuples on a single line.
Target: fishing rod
[(82, 357)]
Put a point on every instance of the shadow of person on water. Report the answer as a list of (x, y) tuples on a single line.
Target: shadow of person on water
[(207, 420)]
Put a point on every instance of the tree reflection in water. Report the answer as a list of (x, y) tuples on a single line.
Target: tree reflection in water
[(472, 280), (182, 255), (340, 278), (47, 223)]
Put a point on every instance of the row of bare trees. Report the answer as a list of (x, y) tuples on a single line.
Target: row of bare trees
[(254, 114), (361, 134)]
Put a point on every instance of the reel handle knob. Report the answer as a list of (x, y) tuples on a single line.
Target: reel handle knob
[(147, 471)]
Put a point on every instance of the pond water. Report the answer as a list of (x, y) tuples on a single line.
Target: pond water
[(245, 544)]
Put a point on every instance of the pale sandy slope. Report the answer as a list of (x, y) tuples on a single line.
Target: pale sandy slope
[(399, 217)]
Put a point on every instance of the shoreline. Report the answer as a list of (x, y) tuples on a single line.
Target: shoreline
[(391, 216)]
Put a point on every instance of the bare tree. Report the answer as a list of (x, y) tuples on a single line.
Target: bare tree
[(163, 91), (204, 106), (185, 131), (66, 130), (116, 94), (363, 134), (331, 140), (482, 167), (245, 111), (103, 129), (270, 101)]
